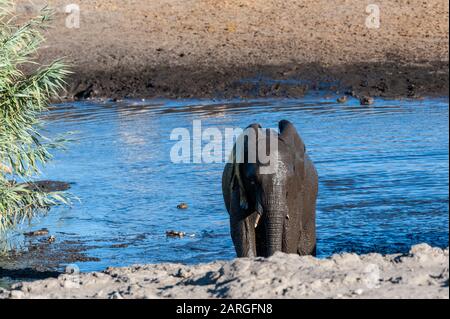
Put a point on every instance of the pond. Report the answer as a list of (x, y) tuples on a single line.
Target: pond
[(383, 176)]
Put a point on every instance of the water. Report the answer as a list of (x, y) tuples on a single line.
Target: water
[(383, 176)]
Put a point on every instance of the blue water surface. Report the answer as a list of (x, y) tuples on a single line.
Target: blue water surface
[(383, 176)]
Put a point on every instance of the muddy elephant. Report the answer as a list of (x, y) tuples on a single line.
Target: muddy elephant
[(274, 210)]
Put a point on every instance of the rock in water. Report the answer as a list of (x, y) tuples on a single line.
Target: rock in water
[(173, 233), (51, 239), (40, 232), (182, 206), (342, 99), (366, 100)]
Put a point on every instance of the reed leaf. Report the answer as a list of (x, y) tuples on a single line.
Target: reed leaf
[(24, 96)]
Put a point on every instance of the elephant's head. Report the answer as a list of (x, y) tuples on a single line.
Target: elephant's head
[(266, 179)]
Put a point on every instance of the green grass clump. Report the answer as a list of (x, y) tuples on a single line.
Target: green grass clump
[(24, 95)]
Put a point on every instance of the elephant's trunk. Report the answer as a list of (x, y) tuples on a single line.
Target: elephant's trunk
[(274, 213)]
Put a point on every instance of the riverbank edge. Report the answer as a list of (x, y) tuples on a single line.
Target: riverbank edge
[(421, 273), (387, 80)]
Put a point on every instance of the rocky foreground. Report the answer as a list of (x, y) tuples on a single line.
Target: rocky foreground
[(423, 273)]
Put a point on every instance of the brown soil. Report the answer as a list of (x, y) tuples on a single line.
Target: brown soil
[(205, 48)]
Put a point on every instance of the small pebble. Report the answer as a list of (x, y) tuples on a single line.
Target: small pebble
[(72, 269), (359, 291), (182, 273), (116, 295), (366, 100), (342, 99)]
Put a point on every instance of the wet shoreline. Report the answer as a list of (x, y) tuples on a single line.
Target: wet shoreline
[(385, 80)]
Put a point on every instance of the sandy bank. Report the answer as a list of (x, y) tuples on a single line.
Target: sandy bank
[(204, 48), (423, 273)]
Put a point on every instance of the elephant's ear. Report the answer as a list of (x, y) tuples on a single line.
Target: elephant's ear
[(289, 135), (240, 153)]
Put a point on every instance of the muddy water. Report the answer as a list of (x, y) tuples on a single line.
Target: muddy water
[(383, 176)]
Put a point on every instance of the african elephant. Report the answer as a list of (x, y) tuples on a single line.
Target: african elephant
[(272, 212)]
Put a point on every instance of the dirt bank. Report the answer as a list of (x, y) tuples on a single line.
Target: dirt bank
[(204, 48), (423, 273)]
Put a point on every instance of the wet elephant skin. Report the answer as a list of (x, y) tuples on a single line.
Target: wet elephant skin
[(276, 211)]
